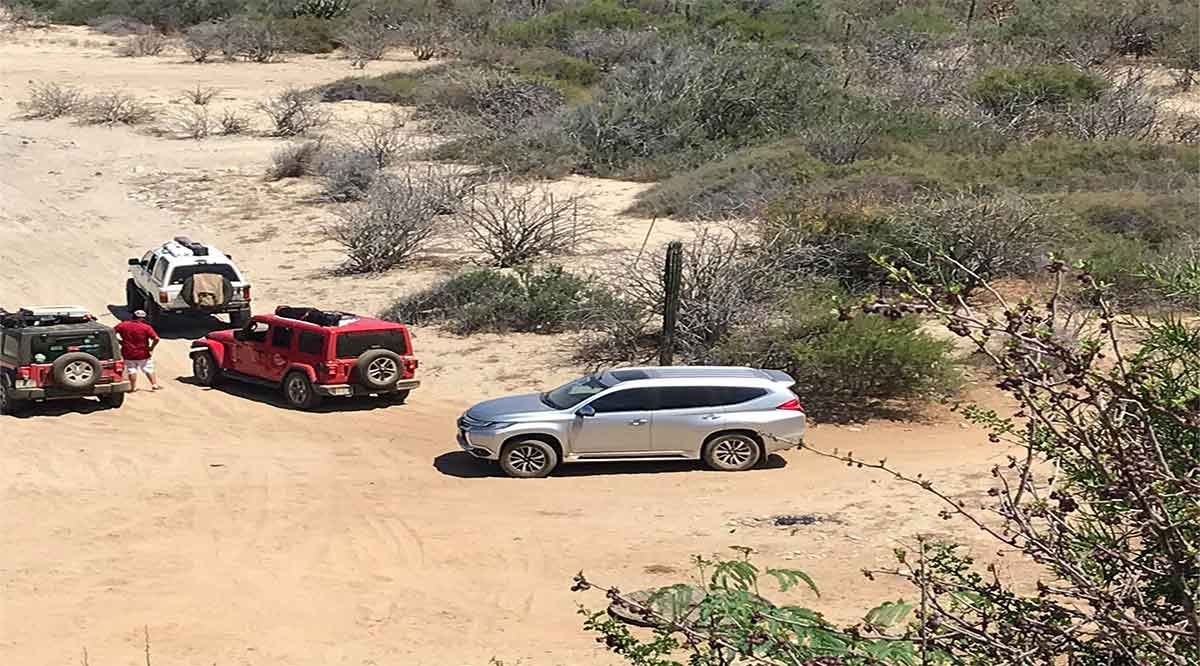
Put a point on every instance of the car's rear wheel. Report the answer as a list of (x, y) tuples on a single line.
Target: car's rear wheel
[(113, 400), (8, 404), (298, 391), (153, 313), (528, 459), (732, 452), (133, 297), (204, 369)]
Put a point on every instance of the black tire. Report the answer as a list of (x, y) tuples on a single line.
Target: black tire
[(528, 458), (379, 369), (397, 397), (77, 371), (298, 391), (153, 313), (113, 400), (239, 318), (133, 297), (205, 370), (733, 452), (8, 404)]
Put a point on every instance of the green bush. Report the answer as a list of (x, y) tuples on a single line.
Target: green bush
[(548, 300), (555, 28), (306, 34), (179, 14), (844, 367), (1000, 90)]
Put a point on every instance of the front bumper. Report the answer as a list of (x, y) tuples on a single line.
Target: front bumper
[(347, 390), (53, 393), (473, 448)]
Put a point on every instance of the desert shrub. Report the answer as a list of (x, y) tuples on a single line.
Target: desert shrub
[(52, 100), (1005, 92), (150, 43), (295, 160), (514, 224), (346, 173), (1176, 276), (169, 15), (305, 34), (392, 224), (294, 112), (556, 28), (120, 26), (1127, 108), (539, 146), (203, 40), (233, 123), (547, 300), (609, 48), (844, 366), (193, 123), (322, 9), (251, 39), (115, 108), (200, 96), (22, 14), (366, 40), (496, 102), (382, 138), (358, 89)]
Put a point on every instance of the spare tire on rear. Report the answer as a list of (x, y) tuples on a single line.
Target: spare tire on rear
[(211, 295), (379, 369), (76, 370)]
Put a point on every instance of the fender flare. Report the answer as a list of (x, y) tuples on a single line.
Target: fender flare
[(215, 348), (300, 367)]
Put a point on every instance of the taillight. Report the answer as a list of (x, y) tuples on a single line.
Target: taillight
[(162, 297), (792, 405), (410, 364), (246, 292), (119, 367), (24, 373)]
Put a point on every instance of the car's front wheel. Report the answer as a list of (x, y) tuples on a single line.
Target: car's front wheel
[(204, 369), (528, 459), (298, 391), (133, 296), (733, 452)]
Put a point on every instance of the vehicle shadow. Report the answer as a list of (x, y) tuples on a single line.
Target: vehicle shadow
[(274, 397), (61, 407), (463, 465), (178, 326)]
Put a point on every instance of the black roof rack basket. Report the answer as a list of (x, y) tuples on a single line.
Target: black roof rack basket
[(311, 315)]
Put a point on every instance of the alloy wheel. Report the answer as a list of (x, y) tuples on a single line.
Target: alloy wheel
[(735, 452), (382, 370), (527, 458)]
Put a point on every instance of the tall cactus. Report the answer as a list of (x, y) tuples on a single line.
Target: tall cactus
[(672, 286)]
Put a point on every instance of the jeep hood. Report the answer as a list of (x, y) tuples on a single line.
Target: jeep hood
[(221, 336), (514, 407)]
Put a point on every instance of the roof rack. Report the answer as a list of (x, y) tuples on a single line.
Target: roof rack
[(315, 316), (197, 249), (46, 315)]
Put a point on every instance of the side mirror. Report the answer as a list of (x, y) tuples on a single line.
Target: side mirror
[(587, 411), (135, 262)]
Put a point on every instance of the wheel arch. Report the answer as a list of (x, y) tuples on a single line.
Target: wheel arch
[(215, 348), (752, 434), (539, 436), (301, 367)]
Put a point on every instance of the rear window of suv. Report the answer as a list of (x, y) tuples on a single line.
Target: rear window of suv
[(182, 273), (47, 348), (352, 345)]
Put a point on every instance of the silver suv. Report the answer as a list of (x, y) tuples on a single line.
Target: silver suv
[(729, 417)]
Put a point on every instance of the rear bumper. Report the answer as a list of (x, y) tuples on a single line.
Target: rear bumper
[(233, 306), (52, 393), (346, 390)]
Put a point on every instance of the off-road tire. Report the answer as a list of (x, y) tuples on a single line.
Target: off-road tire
[(379, 369), (153, 313), (9, 405), (528, 459), (205, 370), (298, 391), (733, 452), (133, 297), (239, 318), (77, 371), (113, 400)]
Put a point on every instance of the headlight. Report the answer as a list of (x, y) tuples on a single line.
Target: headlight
[(496, 425)]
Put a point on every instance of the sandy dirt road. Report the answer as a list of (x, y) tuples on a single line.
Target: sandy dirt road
[(239, 532)]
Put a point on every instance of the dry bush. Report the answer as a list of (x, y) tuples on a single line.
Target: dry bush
[(22, 15), (392, 224), (51, 100), (294, 112), (233, 123), (193, 123), (347, 173), (115, 108), (203, 40), (514, 224), (295, 160), (143, 44), (251, 40), (367, 40), (200, 96), (119, 26), (382, 138), (1129, 109), (610, 48)]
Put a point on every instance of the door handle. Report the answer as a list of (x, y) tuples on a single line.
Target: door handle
[(638, 422), (710, 417)]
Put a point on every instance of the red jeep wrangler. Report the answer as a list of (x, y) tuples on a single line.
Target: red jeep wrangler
[(311, 354)]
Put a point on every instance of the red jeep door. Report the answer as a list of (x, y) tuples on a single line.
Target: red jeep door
[(276, 352), (246, 349)]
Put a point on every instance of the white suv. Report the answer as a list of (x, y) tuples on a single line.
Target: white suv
[(182, 276)]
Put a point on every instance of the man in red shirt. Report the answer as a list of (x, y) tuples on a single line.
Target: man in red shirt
[(138, 341)]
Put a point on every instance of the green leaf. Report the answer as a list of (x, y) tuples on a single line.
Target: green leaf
[(789, 578), (735, 574), (888, 614)]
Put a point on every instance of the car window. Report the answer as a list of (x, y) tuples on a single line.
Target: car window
[(576, 391), (281, 336), (685, 397), (629, 400), (735, 395), (148, 259), (256, 331), (351, 345), (160, 270), (46, 348), (12, 345), (181, 273), (312, 342)]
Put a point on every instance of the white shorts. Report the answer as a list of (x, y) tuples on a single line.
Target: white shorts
[(145, 365)]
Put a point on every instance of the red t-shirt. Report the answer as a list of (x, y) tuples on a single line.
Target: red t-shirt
[(135, 339)]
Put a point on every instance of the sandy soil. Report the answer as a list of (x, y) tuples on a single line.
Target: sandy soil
[(239, 532)]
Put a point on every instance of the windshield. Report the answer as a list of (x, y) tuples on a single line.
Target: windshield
[(182, 273), (47, 348), (571, 394)]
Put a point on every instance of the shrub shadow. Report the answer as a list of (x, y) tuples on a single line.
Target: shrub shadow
[(463, 465)]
